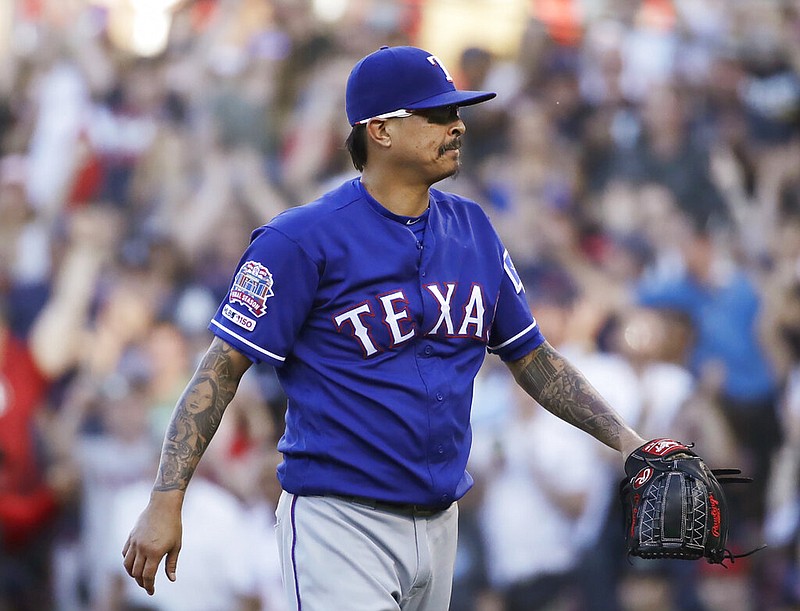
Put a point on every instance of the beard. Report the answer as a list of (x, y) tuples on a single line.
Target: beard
[(453, 145)]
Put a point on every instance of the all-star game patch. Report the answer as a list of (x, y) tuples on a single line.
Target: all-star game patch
[(252, 286)]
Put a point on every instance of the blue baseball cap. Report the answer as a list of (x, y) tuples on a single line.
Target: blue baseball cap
[(397, 78)]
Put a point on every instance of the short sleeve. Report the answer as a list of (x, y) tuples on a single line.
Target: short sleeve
[(514, 330), (269, 298)]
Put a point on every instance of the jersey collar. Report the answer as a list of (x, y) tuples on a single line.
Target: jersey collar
[(380, 209)]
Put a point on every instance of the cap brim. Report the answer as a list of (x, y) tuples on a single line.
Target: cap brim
[(450, 98)]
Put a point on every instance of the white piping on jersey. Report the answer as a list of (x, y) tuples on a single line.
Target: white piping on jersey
[(251, 344), (515, 338)]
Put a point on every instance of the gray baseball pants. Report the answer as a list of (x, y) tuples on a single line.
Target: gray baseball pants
[(339, 553)]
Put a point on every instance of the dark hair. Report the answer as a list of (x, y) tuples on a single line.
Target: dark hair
[(356, 145)]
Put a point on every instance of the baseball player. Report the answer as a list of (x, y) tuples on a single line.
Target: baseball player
[(376, 304)]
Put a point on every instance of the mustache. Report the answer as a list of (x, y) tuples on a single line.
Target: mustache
[(453, 145)]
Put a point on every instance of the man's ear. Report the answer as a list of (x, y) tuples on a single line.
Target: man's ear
[(377, 132)]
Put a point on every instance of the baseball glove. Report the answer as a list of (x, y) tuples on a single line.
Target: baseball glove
[(673, 504)]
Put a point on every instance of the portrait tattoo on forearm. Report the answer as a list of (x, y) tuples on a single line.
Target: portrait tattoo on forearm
[(197, 416), (564, 391)]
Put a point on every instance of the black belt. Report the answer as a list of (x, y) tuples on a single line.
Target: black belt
[(405, 509)]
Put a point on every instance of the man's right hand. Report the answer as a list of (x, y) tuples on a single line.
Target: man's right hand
[(157, 533)]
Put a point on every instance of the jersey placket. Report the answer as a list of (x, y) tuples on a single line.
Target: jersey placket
[(428, 365)]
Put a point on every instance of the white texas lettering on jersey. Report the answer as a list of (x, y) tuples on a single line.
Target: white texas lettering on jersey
[(398, 320), (444, 307), (393, 317), (473, 313), (360, 330)]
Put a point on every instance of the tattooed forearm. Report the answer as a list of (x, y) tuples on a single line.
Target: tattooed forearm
[(198, 414), (563, 390)]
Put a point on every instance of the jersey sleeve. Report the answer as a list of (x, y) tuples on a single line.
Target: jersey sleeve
[(269, 298), (514, 330)]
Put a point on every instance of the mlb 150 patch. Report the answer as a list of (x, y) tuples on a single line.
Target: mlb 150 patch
[(238, 318)]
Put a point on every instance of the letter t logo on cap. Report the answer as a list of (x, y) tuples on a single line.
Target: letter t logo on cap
[(438, 62)]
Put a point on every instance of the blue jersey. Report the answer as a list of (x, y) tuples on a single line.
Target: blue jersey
[(376, 337)]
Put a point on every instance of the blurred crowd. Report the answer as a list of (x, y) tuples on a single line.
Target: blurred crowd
[(642, 164)]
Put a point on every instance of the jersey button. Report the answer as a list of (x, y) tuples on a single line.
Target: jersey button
[(428, 350), (440, 449), (439, 396)]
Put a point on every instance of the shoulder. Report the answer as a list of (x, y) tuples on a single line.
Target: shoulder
[(459, 216), (455, 204), (309, 219)]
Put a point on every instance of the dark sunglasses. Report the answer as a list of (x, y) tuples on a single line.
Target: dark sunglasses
[(440, 115)]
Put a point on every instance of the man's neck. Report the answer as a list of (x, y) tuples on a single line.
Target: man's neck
[(397, 197)]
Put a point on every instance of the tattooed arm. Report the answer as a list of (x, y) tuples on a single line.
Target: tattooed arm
[(194, 421), (198, 414), (560, 388)]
